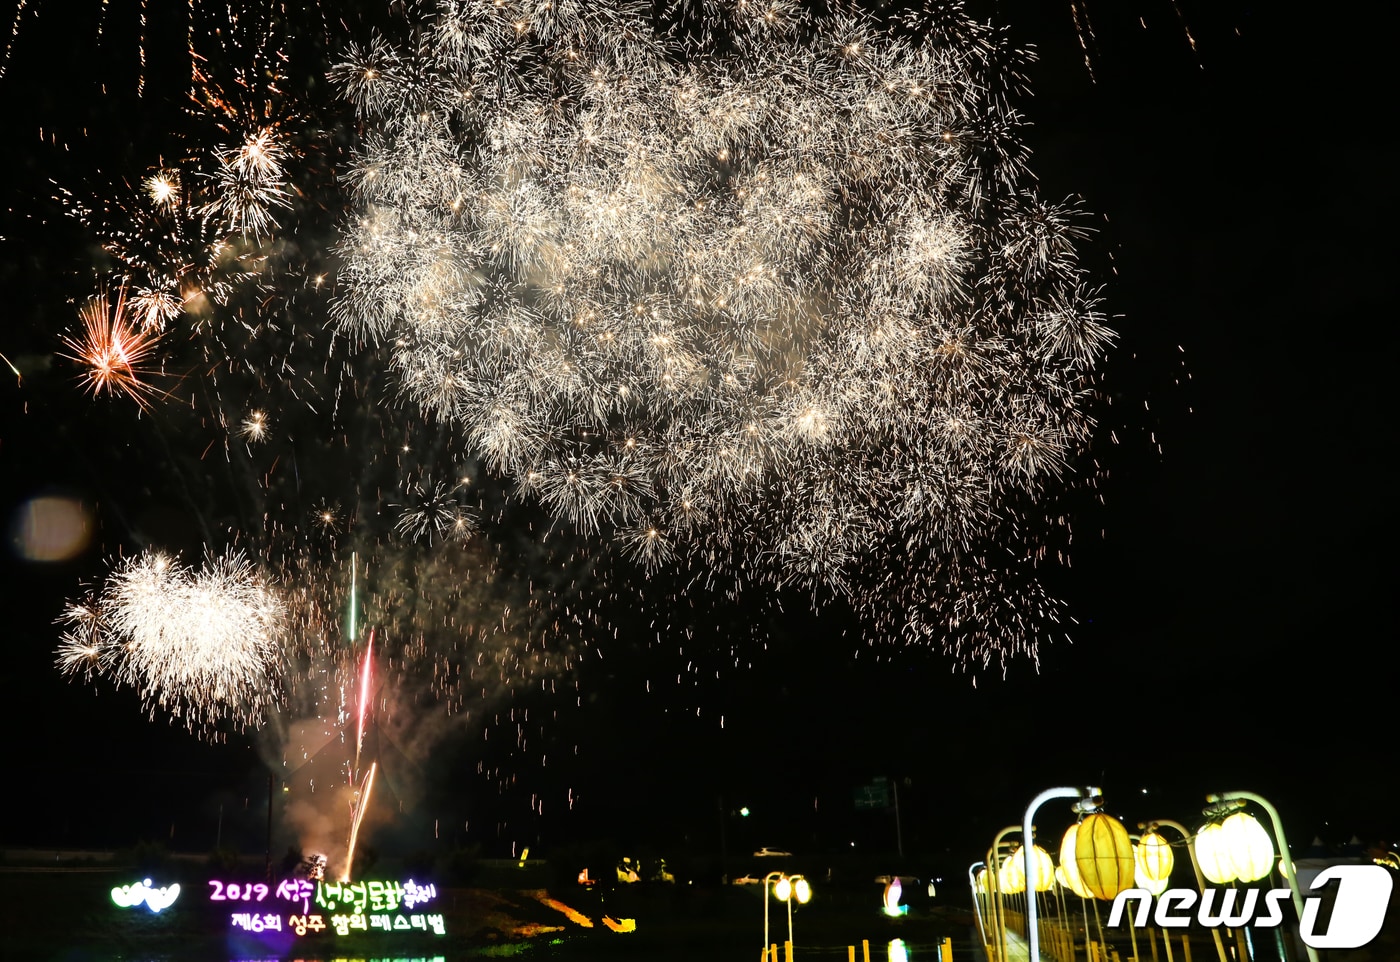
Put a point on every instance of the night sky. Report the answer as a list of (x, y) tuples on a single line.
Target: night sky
[(1232, 591)]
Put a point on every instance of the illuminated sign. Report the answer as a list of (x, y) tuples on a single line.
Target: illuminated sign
[(345, 907), (893, 890), (130, 896)]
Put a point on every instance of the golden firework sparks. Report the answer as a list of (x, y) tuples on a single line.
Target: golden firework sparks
[(163, 187), (766, 304), (254, 426), (114, 349)]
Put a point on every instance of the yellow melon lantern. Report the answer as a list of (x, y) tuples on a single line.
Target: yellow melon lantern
[(1140, 877), (1011, 880), (1042, 878), (982, 884), (1247, 846), (1211, 855), (1154, 857), (1103, 853), (1068, 868)]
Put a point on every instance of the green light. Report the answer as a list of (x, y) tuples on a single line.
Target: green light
[(744, 812), (129, 896)]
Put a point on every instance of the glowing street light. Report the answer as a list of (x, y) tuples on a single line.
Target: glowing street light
[(786, 889), (1088, 802), (996, 891), (995, 909), (1237, 800), (1235, 849), (1177, 827)]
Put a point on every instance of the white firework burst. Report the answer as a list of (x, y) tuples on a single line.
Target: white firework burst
[(204, 645), (435, 512), (784, 291)]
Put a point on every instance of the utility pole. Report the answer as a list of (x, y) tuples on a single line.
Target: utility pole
[(723, 843), (898, 831)]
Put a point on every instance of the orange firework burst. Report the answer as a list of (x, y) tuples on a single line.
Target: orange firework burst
[(113, 349)]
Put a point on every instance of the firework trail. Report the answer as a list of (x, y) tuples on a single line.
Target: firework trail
[(361, 803), (1089, 41), (777, 302), (360, 800), (363, 705), (180, 23)]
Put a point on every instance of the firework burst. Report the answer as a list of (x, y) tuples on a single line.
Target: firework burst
[(779, 299), (254, 427), (203, 645), (435, 512), (114, 348)]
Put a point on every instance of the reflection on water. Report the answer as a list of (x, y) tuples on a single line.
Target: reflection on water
[(495, 951), (896, 950), (355, 958)]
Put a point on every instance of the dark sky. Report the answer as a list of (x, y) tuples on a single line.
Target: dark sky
[(1231, 594)]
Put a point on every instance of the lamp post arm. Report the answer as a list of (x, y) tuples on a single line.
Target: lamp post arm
[(1284, 851), (976, 899), (1190, 839), (789, 938), (992, 864), (1028, 843), (994, 888), (1195, 867)]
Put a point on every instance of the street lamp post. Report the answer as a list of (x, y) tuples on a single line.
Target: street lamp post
[(1195, 867), (1086, 803), (797, 889), (977, 898), (785, 888), (995, 910), (723, 843), (1239, 798), (766, 880)]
